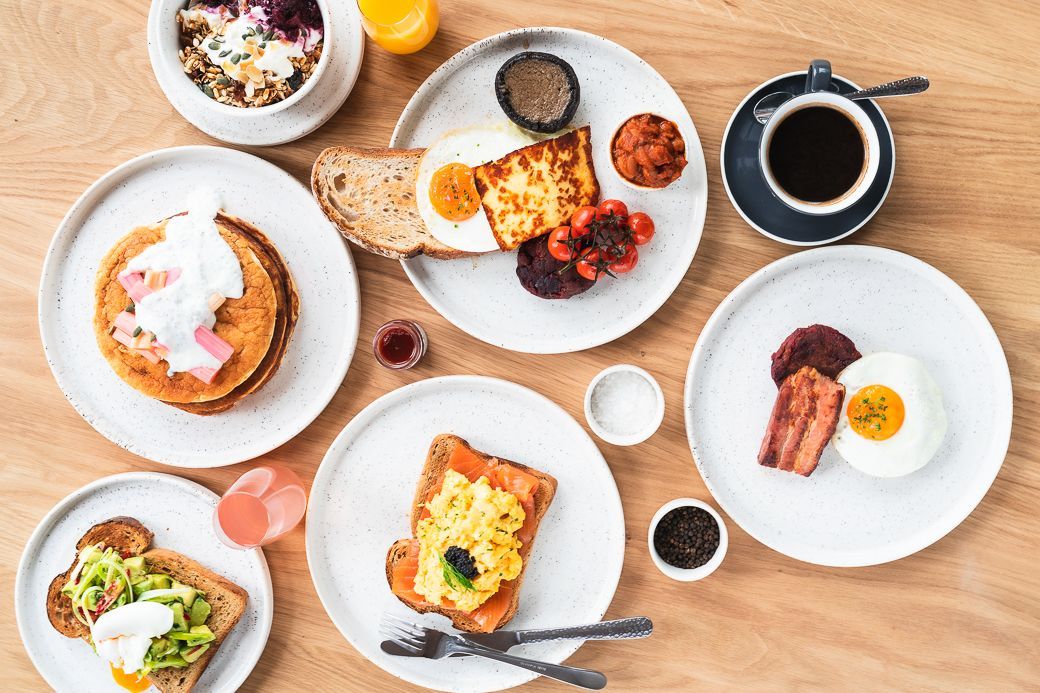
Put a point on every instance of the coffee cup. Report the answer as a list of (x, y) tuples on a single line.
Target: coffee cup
[(819, 151)]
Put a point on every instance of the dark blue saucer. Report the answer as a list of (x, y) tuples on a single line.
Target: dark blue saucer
[(753, 199)]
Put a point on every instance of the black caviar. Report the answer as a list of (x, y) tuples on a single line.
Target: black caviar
[(460, 559), (687, 537)]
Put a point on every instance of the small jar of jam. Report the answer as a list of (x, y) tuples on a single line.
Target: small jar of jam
[(400, 344)]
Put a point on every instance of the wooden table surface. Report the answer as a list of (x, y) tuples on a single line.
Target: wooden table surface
[(78, 97)]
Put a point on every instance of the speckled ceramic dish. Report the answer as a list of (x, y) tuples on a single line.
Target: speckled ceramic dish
[(884, 301), (155, 186), (318, 99), (755, 201), (179, 512), (482, 295), (361, 499)]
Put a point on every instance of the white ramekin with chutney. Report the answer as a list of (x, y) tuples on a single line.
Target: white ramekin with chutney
[(648, 152)]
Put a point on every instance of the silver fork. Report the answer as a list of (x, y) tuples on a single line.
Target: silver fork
[(412, 640)]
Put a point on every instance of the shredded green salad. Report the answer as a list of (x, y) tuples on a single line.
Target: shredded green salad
[(103, 580)]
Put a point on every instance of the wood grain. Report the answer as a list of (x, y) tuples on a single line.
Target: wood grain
[(78, 97)]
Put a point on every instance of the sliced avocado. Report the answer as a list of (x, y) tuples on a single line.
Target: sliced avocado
[(146, 583), (135, 565), (179, 622), (192, 654), (199, 611), (196, 636), (187, 593), (161, 582), (159, 648), (91, 597)]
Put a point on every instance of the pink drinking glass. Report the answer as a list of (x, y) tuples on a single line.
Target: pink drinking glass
[(265, 503)]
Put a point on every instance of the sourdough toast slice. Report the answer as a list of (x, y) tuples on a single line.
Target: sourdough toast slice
[(126, 535), (131, 538), (370, 195), (429, 479), (226, 599)]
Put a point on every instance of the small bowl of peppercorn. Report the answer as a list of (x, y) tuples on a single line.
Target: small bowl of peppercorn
[(687, 539)]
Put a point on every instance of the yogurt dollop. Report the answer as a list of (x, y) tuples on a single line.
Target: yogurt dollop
[(207, 265)]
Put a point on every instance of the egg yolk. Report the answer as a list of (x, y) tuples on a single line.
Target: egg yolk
[(130, 681), (453, 192), (876, 412)]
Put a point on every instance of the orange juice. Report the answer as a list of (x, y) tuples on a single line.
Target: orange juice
[(400, 26)]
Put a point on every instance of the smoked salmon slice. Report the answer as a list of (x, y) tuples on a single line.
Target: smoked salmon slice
[(504, 477)]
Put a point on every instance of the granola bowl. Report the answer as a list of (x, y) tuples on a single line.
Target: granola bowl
[(240, 58)]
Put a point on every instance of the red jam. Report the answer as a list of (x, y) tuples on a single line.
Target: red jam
[(399, 344)]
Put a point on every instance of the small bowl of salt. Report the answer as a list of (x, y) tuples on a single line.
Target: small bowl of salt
[(624, 405)]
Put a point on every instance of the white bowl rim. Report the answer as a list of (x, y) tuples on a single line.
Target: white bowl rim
[(688, 574), (632, 438), (247, 113)]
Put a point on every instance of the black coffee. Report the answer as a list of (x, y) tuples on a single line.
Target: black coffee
[(817, 154)]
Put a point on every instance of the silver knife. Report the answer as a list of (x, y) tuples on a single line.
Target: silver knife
[(624, 628)]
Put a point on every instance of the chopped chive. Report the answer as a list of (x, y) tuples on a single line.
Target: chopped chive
[(137, 331)]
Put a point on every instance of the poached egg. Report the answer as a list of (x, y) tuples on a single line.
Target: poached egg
[(123, 635)]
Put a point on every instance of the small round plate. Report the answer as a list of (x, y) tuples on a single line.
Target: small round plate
[(261, 130), (840, 516), (153, 187), (179, 512), (482, 295), (763, 210), (362, 495)]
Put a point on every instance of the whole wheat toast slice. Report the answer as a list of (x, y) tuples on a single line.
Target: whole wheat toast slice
[(226, 599), (430, 478), (370, 195)]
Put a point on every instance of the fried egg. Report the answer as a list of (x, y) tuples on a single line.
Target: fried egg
[(445, 191), (892, 421)]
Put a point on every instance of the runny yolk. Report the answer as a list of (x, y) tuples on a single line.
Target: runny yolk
[(129, 681), (453, 192), (876, 412)]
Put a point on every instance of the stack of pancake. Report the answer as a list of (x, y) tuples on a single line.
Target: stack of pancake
[(259, 325)]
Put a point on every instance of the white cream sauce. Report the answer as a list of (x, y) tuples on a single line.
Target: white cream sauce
[(208, 265)]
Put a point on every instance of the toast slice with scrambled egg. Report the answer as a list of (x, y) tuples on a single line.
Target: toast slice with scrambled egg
[(465, 496), (131, 538), (529, 192)]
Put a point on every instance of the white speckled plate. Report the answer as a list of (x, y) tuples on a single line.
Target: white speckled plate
[(360, 505), (259, 128), (179, 512), (152, 187), (482, 295), (883, 301)]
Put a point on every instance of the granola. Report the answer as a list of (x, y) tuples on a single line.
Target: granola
[(250, 53)]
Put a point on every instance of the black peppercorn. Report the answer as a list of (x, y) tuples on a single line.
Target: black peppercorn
[(687, 537)]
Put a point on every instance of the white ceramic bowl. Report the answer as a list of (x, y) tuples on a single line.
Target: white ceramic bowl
[(610, 145), (167, 37), (654, 421), (688, 574)]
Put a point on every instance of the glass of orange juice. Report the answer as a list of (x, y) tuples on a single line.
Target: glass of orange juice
[(400, 26)]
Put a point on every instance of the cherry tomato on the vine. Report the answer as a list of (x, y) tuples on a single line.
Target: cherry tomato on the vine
[(558, 246), (626, 262), (641, 226), (580, 220), (615, 207), (588, 265)]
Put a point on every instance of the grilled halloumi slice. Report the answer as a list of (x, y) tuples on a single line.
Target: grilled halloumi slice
[(529, 192)]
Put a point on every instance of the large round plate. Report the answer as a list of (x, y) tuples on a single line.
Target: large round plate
[(884, 301), (155, 186), (179, 512), (364, 488), (482, 295)]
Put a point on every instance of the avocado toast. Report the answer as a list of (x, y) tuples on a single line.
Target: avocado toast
[(464, 497), (205, 606)]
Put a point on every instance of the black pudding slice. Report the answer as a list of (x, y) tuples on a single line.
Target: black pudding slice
[(538, 91), (539, 272)]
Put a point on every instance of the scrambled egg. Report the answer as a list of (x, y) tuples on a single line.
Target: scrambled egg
[(483, 521)]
